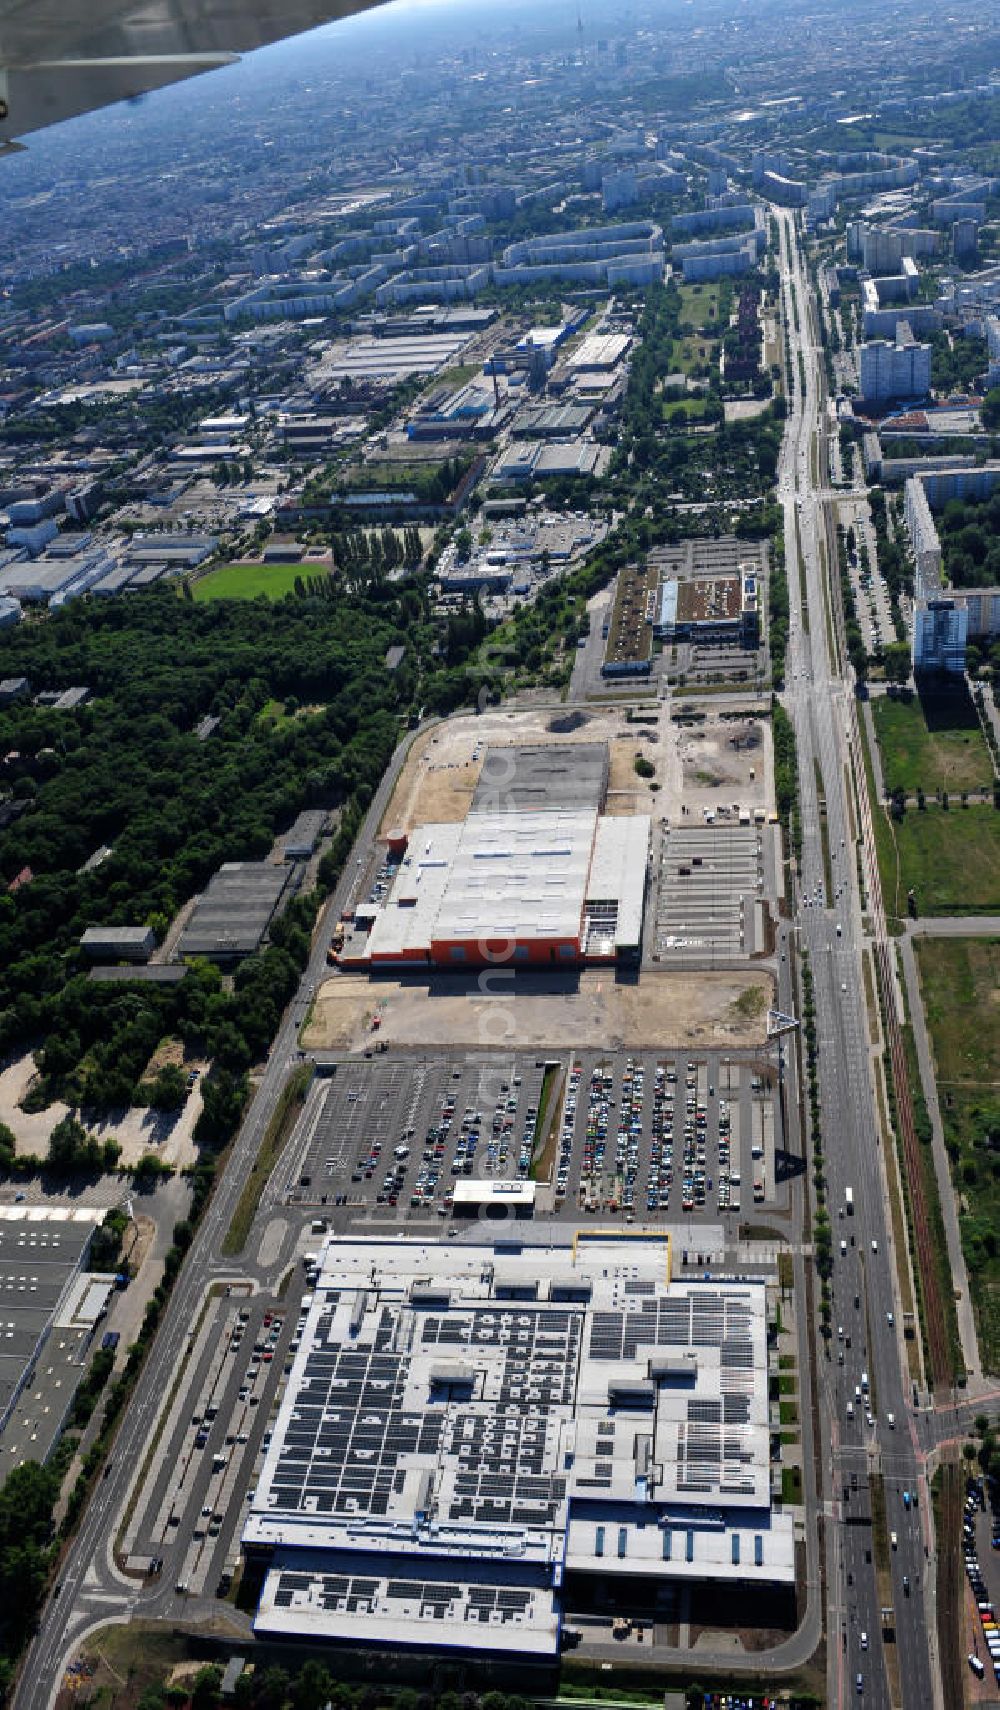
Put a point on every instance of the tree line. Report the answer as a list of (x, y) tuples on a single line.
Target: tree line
[(127, 772), (969, 531)]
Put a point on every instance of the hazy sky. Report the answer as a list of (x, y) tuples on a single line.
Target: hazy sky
[(414, 29)]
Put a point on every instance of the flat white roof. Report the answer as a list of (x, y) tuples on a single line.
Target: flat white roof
[(462, 1419), (405, 923), (695, 1553), (515, 876), (494, 1193), (618, 872), (85, 1301), (600, 350), (409, 1611), (519, 876), (389, 358)]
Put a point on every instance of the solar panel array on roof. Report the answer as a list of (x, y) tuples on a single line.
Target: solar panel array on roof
[(429, 1509), (398, 1602)]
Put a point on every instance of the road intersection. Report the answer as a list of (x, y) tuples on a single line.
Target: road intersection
[(865, 1467)]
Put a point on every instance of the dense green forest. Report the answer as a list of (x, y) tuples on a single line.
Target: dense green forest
[(128, 772), (27, 1499), (957, 363), (969, 530)]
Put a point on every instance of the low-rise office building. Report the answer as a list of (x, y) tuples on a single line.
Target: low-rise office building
[(724, 608), (118, 943)]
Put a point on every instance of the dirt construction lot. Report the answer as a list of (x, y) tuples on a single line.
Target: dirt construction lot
[(440, 776), (591, 1011), (718, 758), (169, 1134), (700, 765)]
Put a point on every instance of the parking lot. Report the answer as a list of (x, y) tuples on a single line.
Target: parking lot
[(648, 1137), (980, 1541), (871, 591), (186, 1527), (718, 662), (663, 1138), (390, 1136), (712, 886)]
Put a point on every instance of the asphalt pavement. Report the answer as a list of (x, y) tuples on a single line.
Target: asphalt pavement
[(820, 702), (92, 1589)]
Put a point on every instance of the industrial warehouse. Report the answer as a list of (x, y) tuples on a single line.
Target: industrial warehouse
[(51, 1307), (469, 1446), (535, 874)]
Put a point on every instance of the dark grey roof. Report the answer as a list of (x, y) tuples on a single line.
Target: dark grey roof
[(233, 914), (519, 779)]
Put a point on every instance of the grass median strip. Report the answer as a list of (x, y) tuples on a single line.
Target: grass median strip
[(824, 832), (947, 1493), (883, 1573), (899, 1235), (546, 1121), (277, 1134)]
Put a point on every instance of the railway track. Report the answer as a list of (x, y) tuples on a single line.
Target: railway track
[(950, 1586)]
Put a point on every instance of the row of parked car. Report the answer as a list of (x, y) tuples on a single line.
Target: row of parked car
[(607, 1180), (975, 1500), (446, 1154), (611, 1181)]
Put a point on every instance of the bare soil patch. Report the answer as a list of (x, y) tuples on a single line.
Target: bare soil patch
[(560, 1012)]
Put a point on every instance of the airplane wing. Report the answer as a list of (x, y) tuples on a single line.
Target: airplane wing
[(59, 58)]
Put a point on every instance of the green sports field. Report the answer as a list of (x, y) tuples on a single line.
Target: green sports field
[(250, 581)]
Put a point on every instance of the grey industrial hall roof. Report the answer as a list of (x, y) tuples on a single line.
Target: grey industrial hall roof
[(38, 1256), (102, 935), (145, 973), (567, 776), (306, 831), (233, 914)]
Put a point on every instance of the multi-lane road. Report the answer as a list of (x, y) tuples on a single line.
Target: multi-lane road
[(892, 1449), (92, 1590), (870, 1382)]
